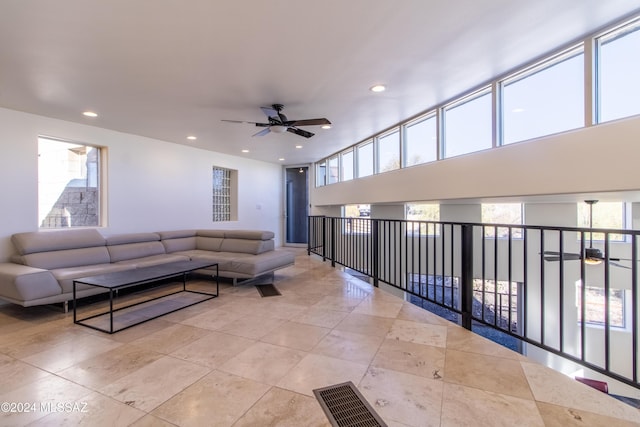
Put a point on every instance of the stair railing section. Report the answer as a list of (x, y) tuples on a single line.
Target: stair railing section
[(555, 289)]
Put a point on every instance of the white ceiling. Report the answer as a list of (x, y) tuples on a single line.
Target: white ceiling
[(166, 69)]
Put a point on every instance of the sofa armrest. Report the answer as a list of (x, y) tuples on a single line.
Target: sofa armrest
[(24, 283)]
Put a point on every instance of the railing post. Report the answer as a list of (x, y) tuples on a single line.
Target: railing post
[(375, 252), (466, 279), (333, 241), (324, 238), (310, 224)]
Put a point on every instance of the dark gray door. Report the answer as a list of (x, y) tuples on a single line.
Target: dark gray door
[(297, 204)]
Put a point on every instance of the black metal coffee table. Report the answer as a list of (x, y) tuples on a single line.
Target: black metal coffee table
[(149, 308)]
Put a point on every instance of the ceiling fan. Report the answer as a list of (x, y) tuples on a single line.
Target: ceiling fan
[(592, 256), (279, 123)]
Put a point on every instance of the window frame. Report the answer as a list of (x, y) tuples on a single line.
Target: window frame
[(100, 198), (459, 102)]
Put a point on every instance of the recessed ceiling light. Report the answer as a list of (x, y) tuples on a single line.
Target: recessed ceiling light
[(518, 110), (90, 114), (281, 159), (378, 88), (192, 138), (298, 146), (326, 126), (245, 151)]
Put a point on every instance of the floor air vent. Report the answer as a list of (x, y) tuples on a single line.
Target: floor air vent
[(268, 290), (345, 406)]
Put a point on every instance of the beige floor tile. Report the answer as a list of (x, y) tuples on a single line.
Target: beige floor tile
[(154, 383), (403, 398), (213, 349), (321, 317), (284, 408), (266, 363), (379, 307), (49, 390), (417, 314), (213, 319), (466, 406), (366, 325), (152, 421), (549, 386), (338, 303), (252, 327), (62, 356), (296, 335), (316, 371), (462, 339), (554, 415), (171, 338), (418, 333), (110, 366), (15, 374), (93, 411), (349, 346), (24, 343), (218, 399), (487, 373), (416, 359)]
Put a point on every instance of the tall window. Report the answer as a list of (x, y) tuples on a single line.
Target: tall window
[(468, 124), (420, 141), (618, 71), (502, 213), (545, 99), (321, 174), (68, 184), (365, 159), (221, 194), (610, 215), (389, 151), (423, 212), (332, 170), (347, 165)]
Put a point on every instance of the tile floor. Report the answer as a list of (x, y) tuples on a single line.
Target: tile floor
[(243, 360)]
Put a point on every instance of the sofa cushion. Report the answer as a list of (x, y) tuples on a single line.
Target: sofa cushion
[(179, 244), (23, 283), (152, 260), (211, 233), (55, 240), (255, 265), (248, 234), (65, 276), (176, 234), (68, 258), (121, 239), (247, 246), (130, 251), (207, 243)]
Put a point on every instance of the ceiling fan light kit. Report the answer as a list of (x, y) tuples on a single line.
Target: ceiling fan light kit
[(279, 123)]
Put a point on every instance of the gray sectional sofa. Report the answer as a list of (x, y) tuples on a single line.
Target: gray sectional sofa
[(46, 263)]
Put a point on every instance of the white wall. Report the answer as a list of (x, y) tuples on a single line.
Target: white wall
[(152, 185)]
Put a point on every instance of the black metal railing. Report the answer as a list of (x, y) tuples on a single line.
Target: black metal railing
[(535, 284)]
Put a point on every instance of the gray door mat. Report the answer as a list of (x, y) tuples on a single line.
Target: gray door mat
[(346, 407), (268, 290)]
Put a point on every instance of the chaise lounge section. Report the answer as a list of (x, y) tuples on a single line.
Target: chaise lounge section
[(46, 263)]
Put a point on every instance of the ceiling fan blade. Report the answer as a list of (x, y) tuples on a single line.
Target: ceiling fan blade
[(263, 132), (236, 121), (270, 112), (300, 132), (309, 122), (619, 265), (555, 256)]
